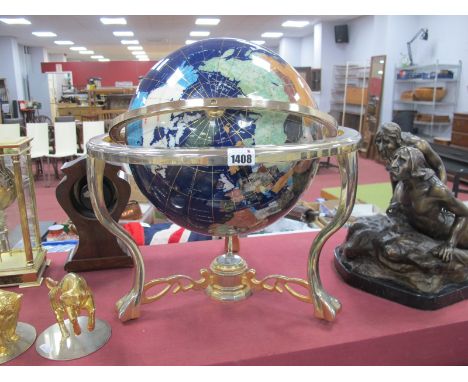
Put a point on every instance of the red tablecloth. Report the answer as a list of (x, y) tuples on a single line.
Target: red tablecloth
[(266, 329)]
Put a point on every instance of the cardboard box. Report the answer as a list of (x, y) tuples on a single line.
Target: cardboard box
[(354, 95)]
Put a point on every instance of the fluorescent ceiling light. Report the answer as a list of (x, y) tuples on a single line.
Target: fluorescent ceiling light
[(64, 42), (135, 47), (96, 57), (188, 42), (130, 42), (139, 53), (272, 34), (295, 24), (258, 42), (143, 59), (78, 48), (113, 20), (206, 21), (86, 52), (199, 33), (16, 20), (104, 60), (123, 34), (44, 34)]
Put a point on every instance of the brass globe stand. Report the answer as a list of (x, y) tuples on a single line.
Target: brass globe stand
[(227, 273), (228, 278)]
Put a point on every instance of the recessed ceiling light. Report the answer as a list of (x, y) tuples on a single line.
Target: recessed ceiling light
[(78, 48), (16, 20), (64, 42), (295, 24), (258, 42), (188, 42), (104, 60), (143, 58), (199, 33), (135, 47), (113, 20), (272, 34), (96, 57), (123, 34), (86, 52), (139, 53), (130, 42), (44, 34), (206, 21)]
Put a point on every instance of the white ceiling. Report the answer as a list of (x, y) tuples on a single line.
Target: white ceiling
[(159, 35)]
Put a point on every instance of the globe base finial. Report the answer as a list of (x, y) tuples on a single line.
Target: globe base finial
[(228, 274)]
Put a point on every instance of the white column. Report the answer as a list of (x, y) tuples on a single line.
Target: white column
[(38, 82), (290, 50), (10, 68)]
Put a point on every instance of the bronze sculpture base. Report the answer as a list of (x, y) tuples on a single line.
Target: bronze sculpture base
[(394, 262)]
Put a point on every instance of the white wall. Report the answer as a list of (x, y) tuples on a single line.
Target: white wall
[(388, 35), (57, 57), (290, 50), (308, 52), (38, 83), (10, 67), (448, 43)]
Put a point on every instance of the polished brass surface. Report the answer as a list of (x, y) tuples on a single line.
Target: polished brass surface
[(23, 210), (10, 304), (217, 105), (32, 191), (278, 283), (101, 149), (15, 271), (176, 283), (232, 283), (227, 277), (346, 141), (7, 186), (128, 307), (325, 306), (15, 337), (51, 345), (24, 264), (7, 197), (69, 297)]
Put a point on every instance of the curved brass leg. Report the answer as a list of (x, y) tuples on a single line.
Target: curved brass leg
[(128, 306), (326, 307)]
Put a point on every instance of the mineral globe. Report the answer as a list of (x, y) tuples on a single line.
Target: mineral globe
[(223, 200)]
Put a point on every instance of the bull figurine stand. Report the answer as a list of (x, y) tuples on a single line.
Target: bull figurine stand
[(77, 336)]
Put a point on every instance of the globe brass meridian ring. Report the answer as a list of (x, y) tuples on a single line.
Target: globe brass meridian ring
[(213, 105)]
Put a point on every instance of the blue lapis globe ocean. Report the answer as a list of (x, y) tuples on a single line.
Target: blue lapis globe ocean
[(223, 200)]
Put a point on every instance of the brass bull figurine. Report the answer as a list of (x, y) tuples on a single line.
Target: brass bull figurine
[(70, 297)]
